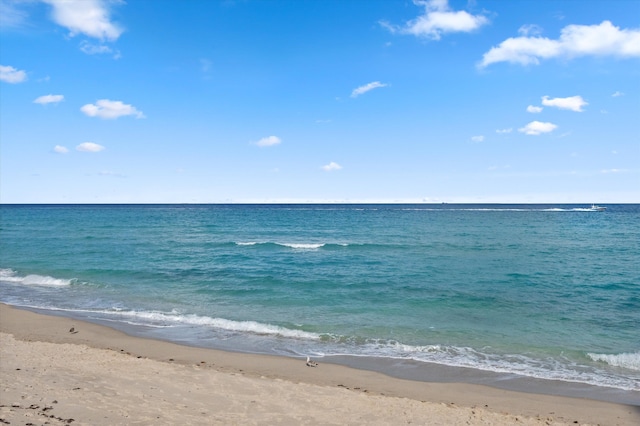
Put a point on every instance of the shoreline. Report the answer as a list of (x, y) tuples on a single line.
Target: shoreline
[(330, 385), (408, 369)]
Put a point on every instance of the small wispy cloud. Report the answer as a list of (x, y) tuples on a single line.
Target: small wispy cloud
[(205, 65), (606, 171), (107, 109), (478, 138), (269, 141), (617, 94), (9, 74), (366, 88), (59, 149), (537, 128), (534, 109), (332, 166), (11, 15), (504, 131), (110, 173), (49, 99), (572, 103), (530, 30), (89, 147), (98, 49)]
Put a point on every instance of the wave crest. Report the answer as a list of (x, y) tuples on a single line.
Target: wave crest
[(296, 246), (9, 275), (630, 361), (302, 246), (175, 318)]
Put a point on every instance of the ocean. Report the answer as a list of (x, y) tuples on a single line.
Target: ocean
[(534, 297)]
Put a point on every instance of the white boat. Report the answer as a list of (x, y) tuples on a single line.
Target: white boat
[(597, 208)]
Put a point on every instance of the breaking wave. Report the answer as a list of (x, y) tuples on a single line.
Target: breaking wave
[(630, 361), (173, 319), (9, 275), (295, 246)]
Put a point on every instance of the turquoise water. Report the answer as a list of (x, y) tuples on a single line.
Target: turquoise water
[(540, 291)]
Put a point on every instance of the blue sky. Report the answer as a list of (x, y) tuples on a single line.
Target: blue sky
[(319, 101)]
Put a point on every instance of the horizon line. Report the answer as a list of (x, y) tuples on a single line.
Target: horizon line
[(438, 203)]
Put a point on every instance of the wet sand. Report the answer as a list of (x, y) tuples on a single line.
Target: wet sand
[(64, 371)]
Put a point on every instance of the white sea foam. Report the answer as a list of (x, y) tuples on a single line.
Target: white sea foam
[(548, 368), (302, 246), (10, 275), (297, 246), (575, 209), (5, 273), (502, 209), (174, 318), (624, 360)]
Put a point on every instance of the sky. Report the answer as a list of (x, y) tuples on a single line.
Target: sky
[(283, 101)]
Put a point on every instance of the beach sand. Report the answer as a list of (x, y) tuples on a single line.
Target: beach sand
[(99, 376)]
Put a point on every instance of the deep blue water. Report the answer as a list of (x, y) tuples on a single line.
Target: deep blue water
[(545, 291)]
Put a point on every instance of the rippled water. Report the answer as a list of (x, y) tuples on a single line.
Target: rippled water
[(540, 291)]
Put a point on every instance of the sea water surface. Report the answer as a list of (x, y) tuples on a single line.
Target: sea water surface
[(545, 293)]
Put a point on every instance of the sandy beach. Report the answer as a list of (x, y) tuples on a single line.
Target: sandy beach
[(58, 370)]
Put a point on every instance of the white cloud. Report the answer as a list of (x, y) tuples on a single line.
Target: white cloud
[(367, 87), (269, 141), (88, 17), (331, 167), (89, 147), (537, 128), (617, 94), (573, 103), (49, 99), (107, 109), (9, 74), (438, 19), (478, 138), (575, 40), (503, 131), (534, 109), (60, 149)]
